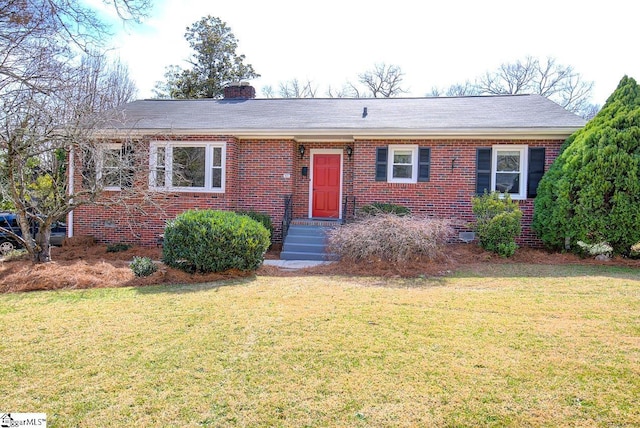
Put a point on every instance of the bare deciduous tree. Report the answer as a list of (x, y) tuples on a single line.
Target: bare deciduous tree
[(293, 88), (101, 84), (348, 90), (383, 80), (50, 104), (510, 78), (296, 89), (268, 91), (40, 132), (457, 90), (546, 77)]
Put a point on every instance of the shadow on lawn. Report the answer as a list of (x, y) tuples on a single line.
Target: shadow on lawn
[(505, 269), (183, 288)]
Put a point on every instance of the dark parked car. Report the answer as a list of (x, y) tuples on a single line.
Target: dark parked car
[(9, 221)]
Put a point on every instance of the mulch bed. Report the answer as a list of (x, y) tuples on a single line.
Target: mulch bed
[(84, 265)]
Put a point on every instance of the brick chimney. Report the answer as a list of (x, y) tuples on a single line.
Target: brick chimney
[(239, 90)]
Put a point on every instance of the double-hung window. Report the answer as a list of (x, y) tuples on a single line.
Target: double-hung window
[(115, 166), (403, 163), (508, 166), (511, 169), (187, 166), (110, 166)]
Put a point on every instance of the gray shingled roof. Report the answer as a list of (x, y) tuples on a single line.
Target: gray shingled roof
[(332, 116)]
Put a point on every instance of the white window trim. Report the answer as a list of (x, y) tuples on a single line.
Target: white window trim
[(414, 162), (524, 168), (110, 146), (208, 165)]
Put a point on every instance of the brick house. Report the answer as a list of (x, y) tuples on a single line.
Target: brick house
[(324, 158)]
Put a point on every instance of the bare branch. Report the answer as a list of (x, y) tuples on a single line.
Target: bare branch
[(560, 83), (346, 91), (383, 81), (297, 89), (268, 92)]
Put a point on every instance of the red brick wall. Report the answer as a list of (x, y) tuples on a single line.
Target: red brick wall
[(260, 173), (255, 180), (265, 177), (448, 193)]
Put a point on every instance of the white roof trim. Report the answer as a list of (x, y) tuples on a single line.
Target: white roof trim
[(351, 134)]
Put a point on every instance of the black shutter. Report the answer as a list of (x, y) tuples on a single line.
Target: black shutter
[(424, 163), (483, 171), (536, 170), (381, 163)]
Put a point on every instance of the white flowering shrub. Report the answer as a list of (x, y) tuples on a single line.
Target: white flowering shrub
[(143, 266), (601, 248)]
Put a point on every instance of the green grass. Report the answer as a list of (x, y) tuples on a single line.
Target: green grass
[(516, 345)]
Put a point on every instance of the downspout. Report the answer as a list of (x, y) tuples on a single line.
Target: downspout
[(71, 190)]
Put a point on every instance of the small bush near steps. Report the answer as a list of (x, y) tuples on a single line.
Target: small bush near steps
[(397, 239), (143, 266), (118, 247)]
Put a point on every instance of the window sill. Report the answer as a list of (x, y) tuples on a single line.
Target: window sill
[(400, 181), (184, 190), (514, 197)]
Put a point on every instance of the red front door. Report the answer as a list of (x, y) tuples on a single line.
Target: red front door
[(325, 199)]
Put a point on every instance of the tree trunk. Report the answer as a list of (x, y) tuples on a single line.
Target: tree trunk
[(42, 253)]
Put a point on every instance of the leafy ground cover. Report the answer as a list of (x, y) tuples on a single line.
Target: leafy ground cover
[(499, 344)]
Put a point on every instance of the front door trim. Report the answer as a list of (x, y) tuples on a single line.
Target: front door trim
[(325, 152)]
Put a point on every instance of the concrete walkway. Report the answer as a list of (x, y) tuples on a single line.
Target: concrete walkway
[(295, 264)]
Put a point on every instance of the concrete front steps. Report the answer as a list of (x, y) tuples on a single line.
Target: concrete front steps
[(306, 240)]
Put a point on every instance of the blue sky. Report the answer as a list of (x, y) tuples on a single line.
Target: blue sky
[(435, 43)]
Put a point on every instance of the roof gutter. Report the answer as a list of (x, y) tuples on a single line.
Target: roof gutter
[(351, 134)]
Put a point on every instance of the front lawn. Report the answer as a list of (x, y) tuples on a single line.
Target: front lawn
[(509, 345)]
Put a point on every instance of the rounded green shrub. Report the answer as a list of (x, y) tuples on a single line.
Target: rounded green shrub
[(498, 222), (261, 218), (214, 241)]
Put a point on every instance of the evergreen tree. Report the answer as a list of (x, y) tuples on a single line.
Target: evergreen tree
[(214, 63), (591, 192)]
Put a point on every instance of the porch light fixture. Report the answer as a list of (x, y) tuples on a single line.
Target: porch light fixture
[(301, 150), (349, 150)]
